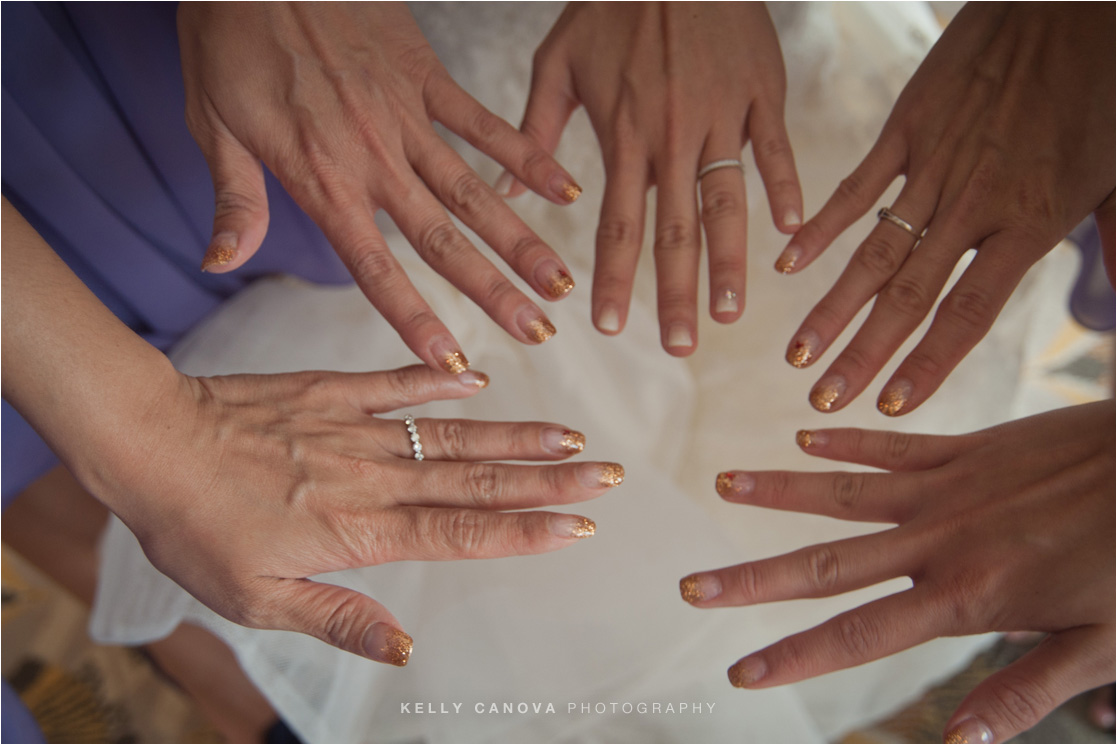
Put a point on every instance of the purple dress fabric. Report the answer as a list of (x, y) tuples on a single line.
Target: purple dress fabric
[(96, 155)]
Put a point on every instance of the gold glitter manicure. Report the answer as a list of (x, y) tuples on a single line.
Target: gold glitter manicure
[(800, 354), (611, 475), (585, 528), (893, 400), (481, 380), (559, 284), (455, 362), (786, 264), (725, 484), (218, 255), (397, 648), (691, 589), (573, 441), (571, 192), (823, 397), (804, 438), (539, 330)]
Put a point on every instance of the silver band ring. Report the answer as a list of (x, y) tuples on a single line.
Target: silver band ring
[(886, 214), (727, 163), (413, 431)]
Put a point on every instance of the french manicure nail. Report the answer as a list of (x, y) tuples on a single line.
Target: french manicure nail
[(446, 351), (803, 349), (609, 320), (807, 439), (791, 218), (601, 475), (727, 302), (678, 336), (787, 261), (969, 731), (563, 441), (827, 391), (699, 587), (384, 643), (503, 185), (895, 397), (565, 189), (222, 250), (473, 379), (554, 279), (568, 525), (731, 484), (747, 671)]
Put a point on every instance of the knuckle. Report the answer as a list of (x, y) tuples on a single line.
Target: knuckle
[(857, 359), (616, 231), (774, 147), (969, 308), (467, 194), (822, 569), (483, 485), (906, 297), (858, 635), (486, 127), (897, 446), (535, 159), (452, 437), (847, 491), (925, 365), (342, 622), (876, 256), (404, 384), (721, 203), (523, 248), (674, 236), (852, 189), (964, 595), (1022, 702), (464, 532), (371, 268), (439, 242), (746, 582)]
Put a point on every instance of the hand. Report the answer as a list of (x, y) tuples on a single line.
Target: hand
[(338, 101), (1007, 529), (1005, 139), (670, 88), (245, 486)]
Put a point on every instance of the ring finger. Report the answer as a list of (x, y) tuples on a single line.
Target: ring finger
[(468, 440), (725, 219)]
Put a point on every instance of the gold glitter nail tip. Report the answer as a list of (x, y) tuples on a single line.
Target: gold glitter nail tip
[(220, 253), (573, 441), (571, 192), (386, 644), (539, 330), (725, 484), (747, 672), (611, 474), (894, 398), (455, 362), (583, 528), (559, 284), (691, 589), (826, 393), (803, 349)]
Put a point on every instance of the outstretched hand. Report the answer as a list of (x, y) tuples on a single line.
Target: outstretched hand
[(670, 88), (1005, 139), (338, 101), (1007, 529)]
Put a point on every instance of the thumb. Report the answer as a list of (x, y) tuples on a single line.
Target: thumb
[(241, 219), (1023, 693), (344, 619), (549, 106)]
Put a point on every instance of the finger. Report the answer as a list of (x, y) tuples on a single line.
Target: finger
[(900, 306), (380, 392), (855, 196), (1014, 699), (873, 264), (478, 206), (962, 319), (862, 497), (496, 486), (725, 220), (887, 450), (620, 234), (818, 571), (1107, 227), (776, 163), (869, 632), (467, 440), (425, 534), (340, 617), (528, 160), (677, 249), (438, 241), (241, 217)]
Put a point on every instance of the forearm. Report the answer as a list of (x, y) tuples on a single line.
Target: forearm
[(80, 377)]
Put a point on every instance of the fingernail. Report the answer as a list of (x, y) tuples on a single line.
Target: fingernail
[(747, 671), (384, 643), (609, 320), (554, 279), (563, 441), (601, 475), (567, 525), (678, 336), (785, 264), (731, 484), (565, 189), (894, 397), (503, 185), (473, 379), (446, 351), (791, 218), (536, 327), (222, 250), (827, 391), (808, 439), (727, 302), (698, 587), (803, 349), (969, 731)]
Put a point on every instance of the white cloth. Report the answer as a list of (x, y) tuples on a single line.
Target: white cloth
[(601, 622)]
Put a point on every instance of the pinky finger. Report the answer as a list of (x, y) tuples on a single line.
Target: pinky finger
[(776, 163), (1017, 697)]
